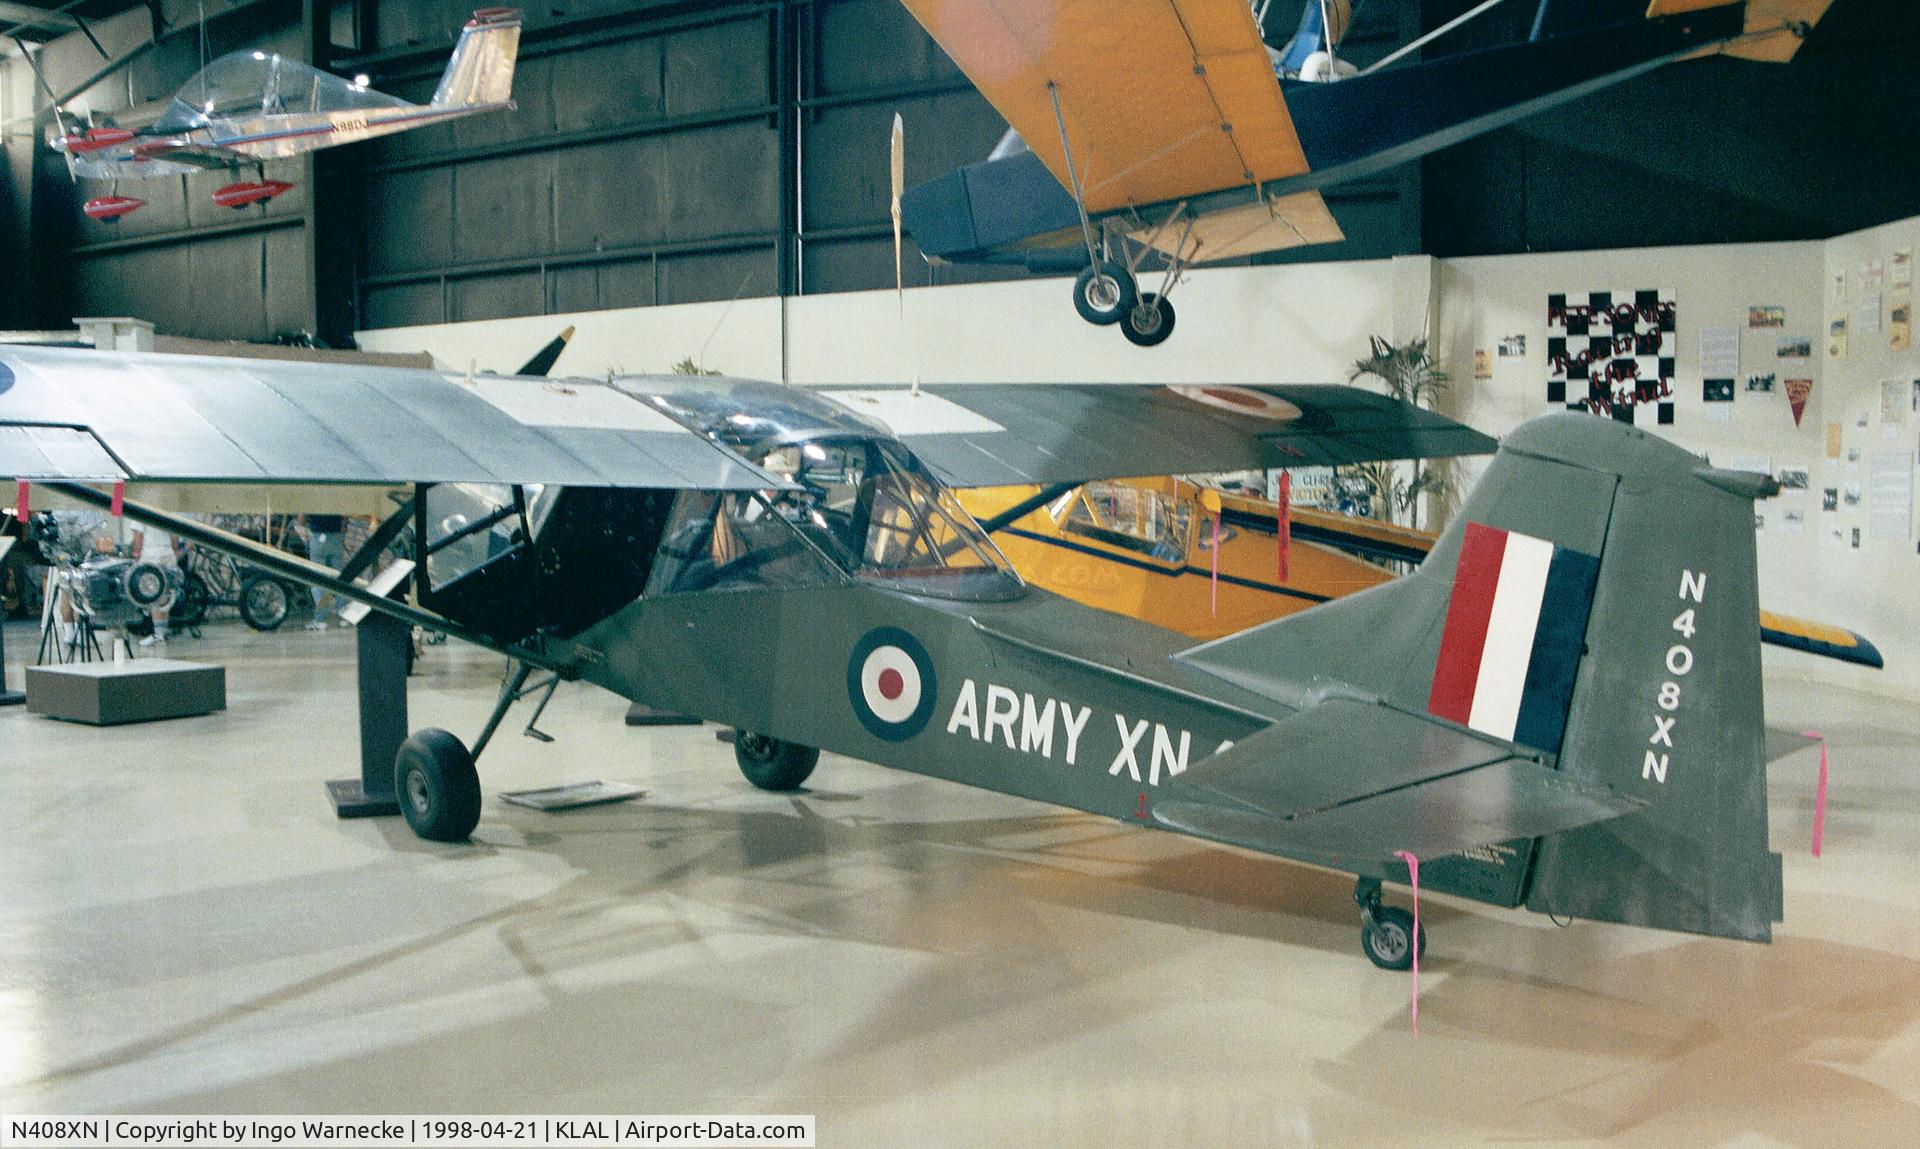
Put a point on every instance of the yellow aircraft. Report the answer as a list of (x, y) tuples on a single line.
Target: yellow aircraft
[(1146, 548)]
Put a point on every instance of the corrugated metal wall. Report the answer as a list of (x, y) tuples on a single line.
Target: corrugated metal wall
[(661, 152)]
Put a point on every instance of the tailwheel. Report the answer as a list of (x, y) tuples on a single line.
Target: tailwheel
[(772, 764), (437, 786), (1387, 934), (1104, 293), (1148, 322)]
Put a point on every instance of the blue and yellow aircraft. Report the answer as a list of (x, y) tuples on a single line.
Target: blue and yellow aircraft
[(1170, 131)]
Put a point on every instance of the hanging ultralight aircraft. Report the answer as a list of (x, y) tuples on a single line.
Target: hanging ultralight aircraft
[(1167, 130), (249, 107), (1560, 709)]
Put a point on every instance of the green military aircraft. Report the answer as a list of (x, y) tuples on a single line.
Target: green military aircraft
[(1560, 709)]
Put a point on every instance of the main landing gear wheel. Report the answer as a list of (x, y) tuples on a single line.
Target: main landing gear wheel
[(772, 764), (1386, 932), (1104, 293), (437, 786), (1148, 322)]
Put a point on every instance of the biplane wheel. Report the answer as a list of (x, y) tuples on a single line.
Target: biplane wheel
[(264, 602), (1104, 293), (772, 764), (437, 786), (1149, 322), (1385, 938)]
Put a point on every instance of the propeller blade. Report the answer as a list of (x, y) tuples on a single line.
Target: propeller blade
[(544, 359), (899, 159)]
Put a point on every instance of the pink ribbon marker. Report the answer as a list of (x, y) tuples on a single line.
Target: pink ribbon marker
[(1284, 513), (1413, 874), (1819, 793), (119, 507), (1216, 562), (20, 508)]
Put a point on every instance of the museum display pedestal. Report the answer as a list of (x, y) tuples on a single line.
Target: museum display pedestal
[(144, 690)]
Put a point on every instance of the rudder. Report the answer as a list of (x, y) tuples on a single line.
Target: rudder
[(480, 71)]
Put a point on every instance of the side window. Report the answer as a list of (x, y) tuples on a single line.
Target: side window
[(1135, 518), (722, 541), (468, 526)]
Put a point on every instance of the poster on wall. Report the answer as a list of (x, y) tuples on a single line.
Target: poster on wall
[(1513, 347), (1837, 339), (1482, 364), (1890, 495), (1716, 390), (1797, 392), (1761, 384), (1833, 441), (1766, 315), (1893, 401), (1793, 480), (1866, 319), (1901, 270), (1900, 325), (1613, 353), (1793, 522), (1719, 352)]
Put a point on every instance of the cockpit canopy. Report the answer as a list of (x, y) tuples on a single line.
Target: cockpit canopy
[(244, 84), (861, 505)]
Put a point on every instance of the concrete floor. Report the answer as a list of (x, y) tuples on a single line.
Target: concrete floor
[(185, 927)]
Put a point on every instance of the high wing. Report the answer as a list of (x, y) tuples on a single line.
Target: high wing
[(1773, 28), (989, 435), (1169, 100), (107, 416), (94, 415)]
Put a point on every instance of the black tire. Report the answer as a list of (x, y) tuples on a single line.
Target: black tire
[(1104, 293), (190, 607), (265, 602), (1149, 322), (437, 786), (772, 764), (146, 585), (1385, 942)]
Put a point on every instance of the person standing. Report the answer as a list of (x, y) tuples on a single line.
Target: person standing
[(153, 545), (326, 545)]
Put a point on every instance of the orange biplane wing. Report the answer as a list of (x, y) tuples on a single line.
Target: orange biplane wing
[(1175, 100)]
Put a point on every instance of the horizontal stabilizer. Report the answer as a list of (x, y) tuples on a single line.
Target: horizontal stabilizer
[(1351, 782)]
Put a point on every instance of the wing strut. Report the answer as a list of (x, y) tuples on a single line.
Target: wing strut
[(299, 570), (1073, 175)]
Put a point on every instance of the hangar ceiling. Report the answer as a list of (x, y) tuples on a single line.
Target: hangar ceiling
[(673, 151)]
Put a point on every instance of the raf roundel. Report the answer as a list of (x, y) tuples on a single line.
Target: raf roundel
[(1240, 400), (890, 682)]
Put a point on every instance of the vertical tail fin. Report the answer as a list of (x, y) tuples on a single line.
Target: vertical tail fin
[(480, 71), (1594, 601)]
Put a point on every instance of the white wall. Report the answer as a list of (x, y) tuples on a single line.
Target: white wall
[(1308, 323), (1236, 324)]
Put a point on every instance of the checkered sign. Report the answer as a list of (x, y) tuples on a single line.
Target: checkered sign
[(1612, 352)]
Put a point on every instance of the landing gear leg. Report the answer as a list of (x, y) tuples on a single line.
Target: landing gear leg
[(1386, 932), (1105, 293)]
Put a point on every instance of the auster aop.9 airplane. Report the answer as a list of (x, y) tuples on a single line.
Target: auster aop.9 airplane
[(250, 107), (1561, 708)]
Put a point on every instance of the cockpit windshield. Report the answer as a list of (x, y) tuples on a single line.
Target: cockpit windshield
[(860, 499), (264, 83)]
